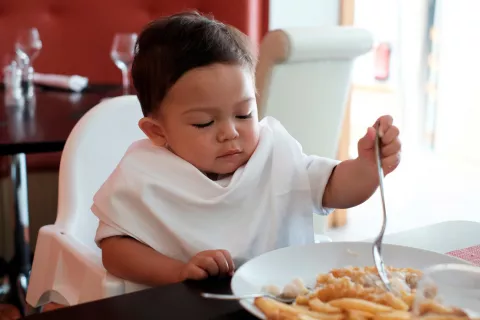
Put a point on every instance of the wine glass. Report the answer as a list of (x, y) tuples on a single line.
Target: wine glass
[(122, 55), (28, 45), (448, 289)]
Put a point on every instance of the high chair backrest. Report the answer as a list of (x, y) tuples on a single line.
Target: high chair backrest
[(303, 80), (92, 151), (303, 77)]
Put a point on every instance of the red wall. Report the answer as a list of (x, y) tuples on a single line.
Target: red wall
[(77, 34)]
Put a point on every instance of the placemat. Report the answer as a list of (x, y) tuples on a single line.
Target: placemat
[(470, 254)]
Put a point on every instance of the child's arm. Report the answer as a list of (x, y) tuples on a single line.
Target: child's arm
[(131, 260), (351, 183), (354, 181)]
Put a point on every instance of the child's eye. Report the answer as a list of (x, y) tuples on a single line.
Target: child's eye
[(202, 125), (245, 117)]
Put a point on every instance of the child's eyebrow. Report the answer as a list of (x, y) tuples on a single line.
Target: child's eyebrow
[(248, 99), (199, 109)]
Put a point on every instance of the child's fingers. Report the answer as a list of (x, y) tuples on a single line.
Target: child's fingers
[(196, 273), (392, 148), (215, 262), (390, 134), (391, 162), (229, 259), (222, 263), (208, 264), (383, 123)]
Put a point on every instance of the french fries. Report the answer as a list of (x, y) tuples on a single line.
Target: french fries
[(394, 315), (319, 306), (345, 309), (348, 294), (275, 310), (360, 305)]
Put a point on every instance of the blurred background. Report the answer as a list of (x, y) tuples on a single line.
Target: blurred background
[(422, 71)]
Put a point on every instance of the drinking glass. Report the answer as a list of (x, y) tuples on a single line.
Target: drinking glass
[(28, 45), (122, 55), (448, 288)]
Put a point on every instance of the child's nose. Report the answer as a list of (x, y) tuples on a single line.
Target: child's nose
[(227, 132)]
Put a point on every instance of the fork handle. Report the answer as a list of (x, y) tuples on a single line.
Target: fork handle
[(231, 296)]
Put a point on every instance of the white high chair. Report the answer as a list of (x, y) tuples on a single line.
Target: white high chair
[(303, 79), (67, 268)]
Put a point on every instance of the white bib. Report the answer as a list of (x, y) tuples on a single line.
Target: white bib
[(165, 202)]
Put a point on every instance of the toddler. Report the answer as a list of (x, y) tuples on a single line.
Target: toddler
[(213, 186)]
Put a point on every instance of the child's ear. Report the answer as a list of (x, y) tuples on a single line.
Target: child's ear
[(153, 130)]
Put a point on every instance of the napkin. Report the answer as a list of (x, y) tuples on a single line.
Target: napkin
[(73, 82)]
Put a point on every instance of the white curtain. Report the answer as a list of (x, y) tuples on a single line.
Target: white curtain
[(457, 127)]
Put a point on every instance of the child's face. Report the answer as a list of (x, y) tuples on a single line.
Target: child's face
[(209, 118)]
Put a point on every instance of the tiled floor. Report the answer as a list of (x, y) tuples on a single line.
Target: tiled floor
[(8, 312), (424, 190)]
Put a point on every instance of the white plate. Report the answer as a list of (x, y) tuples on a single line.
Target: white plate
[(281, 266)]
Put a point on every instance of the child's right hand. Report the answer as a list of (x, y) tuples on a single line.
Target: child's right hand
[(208, 263)]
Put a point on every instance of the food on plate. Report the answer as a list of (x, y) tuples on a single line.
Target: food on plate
[(293, 289), (272, 289), (356, 293)]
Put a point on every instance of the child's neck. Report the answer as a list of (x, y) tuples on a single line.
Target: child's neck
[(217, 176)]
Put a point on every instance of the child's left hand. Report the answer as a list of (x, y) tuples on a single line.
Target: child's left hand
[(390, 146)]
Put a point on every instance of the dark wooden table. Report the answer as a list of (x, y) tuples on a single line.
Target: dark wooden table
[(178, 301), (45, 127), (36, 128)]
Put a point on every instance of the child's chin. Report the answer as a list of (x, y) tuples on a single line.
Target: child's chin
[(228, 169)]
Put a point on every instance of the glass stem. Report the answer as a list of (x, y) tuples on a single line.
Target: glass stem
[(125, 81), (25, 76)]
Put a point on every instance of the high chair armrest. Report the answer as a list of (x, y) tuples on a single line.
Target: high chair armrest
[(79, 274)]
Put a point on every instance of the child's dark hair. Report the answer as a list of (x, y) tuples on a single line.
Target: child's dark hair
[(169, 47)]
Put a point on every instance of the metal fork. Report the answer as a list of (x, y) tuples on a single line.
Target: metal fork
[(377, 243), (247, 296)]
